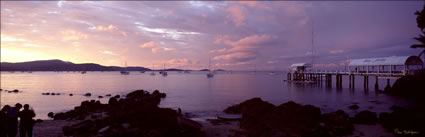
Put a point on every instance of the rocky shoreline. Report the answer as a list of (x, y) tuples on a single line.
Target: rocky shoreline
[(138, 114)]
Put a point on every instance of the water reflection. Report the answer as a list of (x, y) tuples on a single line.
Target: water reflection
[(192, 92)]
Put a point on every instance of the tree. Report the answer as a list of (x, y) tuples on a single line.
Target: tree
[(420, 20)]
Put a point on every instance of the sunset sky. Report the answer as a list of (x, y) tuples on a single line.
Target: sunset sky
[(187, 34)]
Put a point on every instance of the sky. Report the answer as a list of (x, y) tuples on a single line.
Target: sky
[(232, 35)]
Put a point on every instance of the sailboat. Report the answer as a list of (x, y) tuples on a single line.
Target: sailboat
[(153, 73), (163, 72), (125, 72), (210, 74)]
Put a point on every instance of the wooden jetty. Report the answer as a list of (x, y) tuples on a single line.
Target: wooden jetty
[(385, 67)]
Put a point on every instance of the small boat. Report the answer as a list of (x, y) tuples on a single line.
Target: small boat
[(125, 72), (153, 73), (164, 73), (229, 116), (210, 74)]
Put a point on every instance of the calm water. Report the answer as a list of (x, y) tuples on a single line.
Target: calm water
[(193, 92)]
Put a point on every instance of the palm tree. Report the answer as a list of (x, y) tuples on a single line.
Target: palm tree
[(420, 20)]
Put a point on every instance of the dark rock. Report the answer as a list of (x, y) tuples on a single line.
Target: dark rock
[(15, 91), (366, 117), (353, 107), (117, 96), (50, 114), (264, 119), (100, 96), (71, 94), (337, 123), (53, 94), (87, 94), (136, 115), (108, 95), (112, 101), (404, 120), (38, 121), (45, 93), (410, 86)]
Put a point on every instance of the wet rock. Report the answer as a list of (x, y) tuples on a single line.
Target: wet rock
[(366, 117), (15, 91), (136, 115), (71, 94), (353, 107), (404, 119), (52, 94), (87, 94), (264, 119), (38, 121), (45, 93), (100, 96), (117, 96), (337, 123), (102, 130), (50, 114), (108, 95)]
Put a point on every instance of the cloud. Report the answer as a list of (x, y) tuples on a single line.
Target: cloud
[(236, 57), (149, 44), (237, 15), (5, 38), (248, 43), (183, 61), (272, 62), (154, 47), (218, 50), (107, 28), (248, 3), (69, 35), (109, 52), (336, 51)]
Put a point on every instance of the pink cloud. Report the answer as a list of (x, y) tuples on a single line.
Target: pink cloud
[(149, 44), (248, 3), (236, 57), (73, 35), (106, 28), (336, 51), (183, 61), (218, 50), (247, 43), (237, 15)]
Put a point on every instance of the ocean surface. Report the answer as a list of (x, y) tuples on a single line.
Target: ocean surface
[(193, 92)]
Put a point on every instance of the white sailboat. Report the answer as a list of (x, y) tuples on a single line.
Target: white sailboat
[(210, 74), (125, 72), (153, 73), (163, 72)]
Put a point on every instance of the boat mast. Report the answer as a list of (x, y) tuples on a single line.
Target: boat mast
[(312, 42)]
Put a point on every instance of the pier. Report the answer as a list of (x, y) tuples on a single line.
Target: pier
[(386, 67)]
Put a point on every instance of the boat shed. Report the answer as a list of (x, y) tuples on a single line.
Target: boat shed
[(404, 65), (300, 67)]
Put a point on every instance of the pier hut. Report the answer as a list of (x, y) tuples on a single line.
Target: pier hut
[(388, 66), (301, 67)]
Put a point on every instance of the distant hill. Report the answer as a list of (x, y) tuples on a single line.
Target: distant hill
[(59, 65)]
